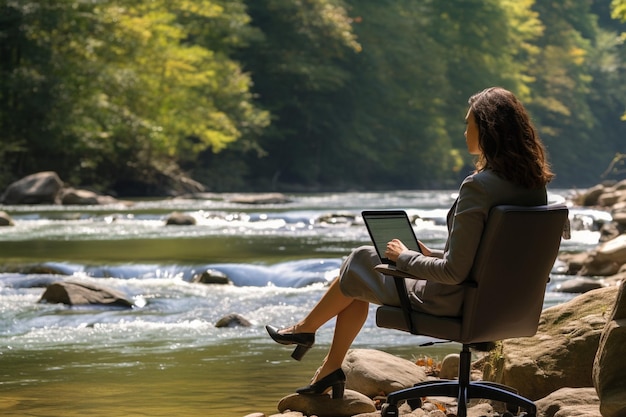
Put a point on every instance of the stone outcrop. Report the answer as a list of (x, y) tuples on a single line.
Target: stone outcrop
[(374, 373), (211, 276), (47, 188), (609, 257), (570, 402), (180, 219), (233, 320), (39, 188), (609, 367), (74, 293), (5, 219), (351, 404), (73, 196), (562, 352)]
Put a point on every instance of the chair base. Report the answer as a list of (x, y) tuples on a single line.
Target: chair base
[(463, 390)]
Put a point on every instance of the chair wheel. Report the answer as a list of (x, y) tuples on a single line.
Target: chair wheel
[(389, 410), (414, 403)]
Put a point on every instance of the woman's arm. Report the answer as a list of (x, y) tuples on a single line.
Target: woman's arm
[(466, 230)]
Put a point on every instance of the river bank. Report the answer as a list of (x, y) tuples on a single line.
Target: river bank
[(168, 354)]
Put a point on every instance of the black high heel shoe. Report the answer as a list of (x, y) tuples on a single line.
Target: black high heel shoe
[(304, 340), (336, 380)]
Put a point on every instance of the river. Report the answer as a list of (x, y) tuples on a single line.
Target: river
[(166, 357)]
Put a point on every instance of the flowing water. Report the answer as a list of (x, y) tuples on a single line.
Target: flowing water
[(165, 356)]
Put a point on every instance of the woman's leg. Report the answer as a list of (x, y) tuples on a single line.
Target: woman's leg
[(351, 313)]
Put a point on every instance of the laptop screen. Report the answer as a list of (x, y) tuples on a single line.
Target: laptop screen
[(385, 225)]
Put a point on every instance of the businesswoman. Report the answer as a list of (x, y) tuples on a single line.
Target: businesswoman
[(511, 168)]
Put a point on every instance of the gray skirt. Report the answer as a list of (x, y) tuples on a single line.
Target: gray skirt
[(358, 279)]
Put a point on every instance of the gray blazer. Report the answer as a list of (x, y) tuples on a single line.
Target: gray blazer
[(436, 292)]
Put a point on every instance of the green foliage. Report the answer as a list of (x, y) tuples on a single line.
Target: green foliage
[(304, 94), (119, 88)]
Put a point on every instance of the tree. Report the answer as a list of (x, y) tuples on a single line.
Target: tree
[(125, 91)]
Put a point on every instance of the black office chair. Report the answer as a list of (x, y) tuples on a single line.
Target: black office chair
[(503, 299)]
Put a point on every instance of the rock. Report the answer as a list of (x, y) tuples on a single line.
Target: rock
[(578, 285), (373, 372), (594, 267), (233, 320), (570, 402), (39, 188), (619, 217), (337, 218), (609, 366), (74, 293), (562, 352), (5, 219), (270, 198), (589, 197), (180, 219), (613, 250), (211, 276), (72, 196), (351, 404), (450, 366), (574, 262)]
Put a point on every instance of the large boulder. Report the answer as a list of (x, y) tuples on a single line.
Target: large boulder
[(351, 404), (73, 196), (569, 402), (562, 352), (39, 188), (609, 367), (373, 372), (75, 293)]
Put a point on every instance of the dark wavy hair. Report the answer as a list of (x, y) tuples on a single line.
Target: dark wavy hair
[(509, 143)]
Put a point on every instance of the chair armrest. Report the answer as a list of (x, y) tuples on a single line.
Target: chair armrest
[(391, 270)]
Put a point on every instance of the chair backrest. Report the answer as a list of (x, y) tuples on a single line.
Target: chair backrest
[(505, 290), (512, 267)]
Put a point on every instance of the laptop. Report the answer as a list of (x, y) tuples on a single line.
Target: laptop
[(385, 225)]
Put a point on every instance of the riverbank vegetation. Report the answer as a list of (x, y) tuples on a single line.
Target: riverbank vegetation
[(146, 97)]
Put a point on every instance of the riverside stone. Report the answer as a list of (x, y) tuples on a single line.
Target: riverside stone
[(351, 404), (211, 276), (613, 250), (578, 285), (562, 352), (180, 219), (72, 196), (5, 219), (233, 320), (569, 402), (74, 293), (609, 368), (373, 372), (450, 366), (38, 188)]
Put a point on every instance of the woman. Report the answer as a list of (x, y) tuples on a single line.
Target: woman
[(511, 168)]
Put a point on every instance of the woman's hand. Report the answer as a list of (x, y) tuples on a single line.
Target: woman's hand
[(394, 248), (425, 249)]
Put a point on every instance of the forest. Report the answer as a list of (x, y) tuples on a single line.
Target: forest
[(161, 97)]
